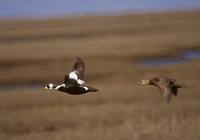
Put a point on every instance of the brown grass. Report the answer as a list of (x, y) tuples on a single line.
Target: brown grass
[(43, 51)]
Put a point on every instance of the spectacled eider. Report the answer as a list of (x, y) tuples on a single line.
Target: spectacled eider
[(74, 82)]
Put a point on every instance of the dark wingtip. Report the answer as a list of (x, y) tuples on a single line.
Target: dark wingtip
[(79, 59)]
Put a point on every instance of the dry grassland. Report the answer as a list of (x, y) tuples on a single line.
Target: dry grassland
[(42, 51)]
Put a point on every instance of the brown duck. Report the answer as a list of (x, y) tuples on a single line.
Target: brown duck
[(167, 86)]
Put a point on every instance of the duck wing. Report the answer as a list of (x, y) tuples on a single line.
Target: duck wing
[(79, 68), (76, 76), (167, 88), (166, 93)]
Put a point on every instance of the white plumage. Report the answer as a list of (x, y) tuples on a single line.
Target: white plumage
[(73, 75)]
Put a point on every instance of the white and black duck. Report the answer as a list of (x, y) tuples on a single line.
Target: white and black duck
[(74, 82), (166, 86)]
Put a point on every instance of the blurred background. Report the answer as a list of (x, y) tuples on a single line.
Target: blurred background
[(121, 42)]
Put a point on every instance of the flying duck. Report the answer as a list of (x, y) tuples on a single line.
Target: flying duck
[(74, 82), (166, 86)]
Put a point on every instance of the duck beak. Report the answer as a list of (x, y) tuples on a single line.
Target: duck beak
[(46, 87), (143, 82)]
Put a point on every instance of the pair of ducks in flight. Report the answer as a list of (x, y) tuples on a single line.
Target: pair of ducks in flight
[(74, 83)]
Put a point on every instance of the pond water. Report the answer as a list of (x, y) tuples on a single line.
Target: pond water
[(163, 61), (185, 56)]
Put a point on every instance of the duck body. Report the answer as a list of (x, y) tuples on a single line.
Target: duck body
[(166, 86), (76, 90)]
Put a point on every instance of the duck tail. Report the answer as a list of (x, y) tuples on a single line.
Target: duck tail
[(91, 89), (180, 85)]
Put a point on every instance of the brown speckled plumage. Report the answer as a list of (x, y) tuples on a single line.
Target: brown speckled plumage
[(167, 86)]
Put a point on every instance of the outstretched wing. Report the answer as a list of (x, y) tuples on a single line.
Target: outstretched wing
[(167, 88), (166, 93), (76, 76), (79, 68)]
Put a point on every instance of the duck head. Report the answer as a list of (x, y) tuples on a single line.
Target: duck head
[(50, 86), (152, 81), (143, 82)]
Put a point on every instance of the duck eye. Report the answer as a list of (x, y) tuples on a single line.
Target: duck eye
[(50, 85)]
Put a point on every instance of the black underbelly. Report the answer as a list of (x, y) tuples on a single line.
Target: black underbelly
[(74, 90)]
